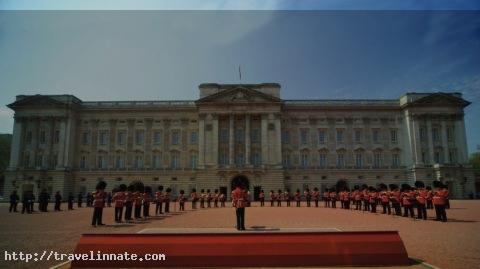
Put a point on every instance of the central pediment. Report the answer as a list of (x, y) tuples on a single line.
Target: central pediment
[(238, 95)]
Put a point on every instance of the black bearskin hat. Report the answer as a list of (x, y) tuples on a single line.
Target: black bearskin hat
[(101, 185)]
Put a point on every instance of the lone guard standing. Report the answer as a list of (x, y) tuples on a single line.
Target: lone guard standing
[(239, 199), (79, 200), (261, 197), (99, 203), (159, 200), (14, 198), (119, 201), (58, 201), (194, 197)]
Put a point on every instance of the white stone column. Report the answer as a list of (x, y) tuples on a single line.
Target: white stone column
[(416, 142), (247, 139), (461, 141), (17, 143), (444, 142), (429, 137), (264, 134), (278, 141), (215, 139), (231, 159), (201, 141)]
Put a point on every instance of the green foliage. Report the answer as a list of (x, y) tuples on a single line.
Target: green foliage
[(5, 144), (475, 160)]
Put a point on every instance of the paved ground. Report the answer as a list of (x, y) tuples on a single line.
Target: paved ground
[(455, 244)]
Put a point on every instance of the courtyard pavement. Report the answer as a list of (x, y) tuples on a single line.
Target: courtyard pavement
[(455, 244)]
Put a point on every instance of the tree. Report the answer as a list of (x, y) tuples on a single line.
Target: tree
[(5, 145), (475, 160)]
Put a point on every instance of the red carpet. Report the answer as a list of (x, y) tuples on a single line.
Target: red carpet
[(260, 249)]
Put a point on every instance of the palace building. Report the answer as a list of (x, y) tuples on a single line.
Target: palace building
[(238, 133)]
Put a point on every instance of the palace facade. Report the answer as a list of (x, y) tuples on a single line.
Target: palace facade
[(238, 133)]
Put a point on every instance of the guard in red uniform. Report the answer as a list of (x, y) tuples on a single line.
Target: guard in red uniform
[(239, 198), (439, 200), (373, 195), (333, 198), (326, 198), (298, 197), (261, 197), (209, 198), (286, 196), (272, 198), (129, 197), (215, 198), (194, 198), (421, 199), (202, 198), (181, 200), (316, 196), (166, 200), (429, 197), (407, 201), (366, 198), (395, 198), (119, 201), (385, 200), (159, 200), (279, 198), (98, 203), (147, 199), (308, 196), (137, 201), (222, 197)]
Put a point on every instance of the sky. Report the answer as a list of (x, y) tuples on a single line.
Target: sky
[(333, 52)]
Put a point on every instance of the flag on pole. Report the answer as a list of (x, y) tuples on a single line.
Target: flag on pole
[(240, 72)]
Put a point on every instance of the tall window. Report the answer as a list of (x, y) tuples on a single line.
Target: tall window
[(424, 157), (102, 162), (26, 159), (393, 136), (193, 138), (175, 137), (139, 137), (103, 137), (322, 159), (223, 157), (193, 161), (377, 160), (286, 159), (175, 160), (42, 137), (452, 156), (449, 134), (435, 134), (256, 158), (422, 134), (138, 161), (85, 138), (157, 138), (340, 160), (39, 161), (56, 137), (375, 136), (436, 157), (304, 159), (28, 138), (303, 136), (256, 135), (395, 160), (321, 136), (54, 160), (339, 136), (83, 162), (358, 160), (157, 161), (286, 137), (239, 160), (120, 162), (224, 135), (358, 136), (239, 135), (121, 137)]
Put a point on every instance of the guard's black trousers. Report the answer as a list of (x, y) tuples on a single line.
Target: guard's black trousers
[(408, 210), (146, 209), (138, 211), (128, 211), (386, 208), (421, 211), (167, 207), (240, 218), (97, 216), (440, 212), (118, 214), (158, 208)]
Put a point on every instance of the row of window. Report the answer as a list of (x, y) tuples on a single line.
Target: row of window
[(41, 160), (358, 136), (42, 137), (138, 161), (139, 138), (340, 160), (436, 134), (438, 156)]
